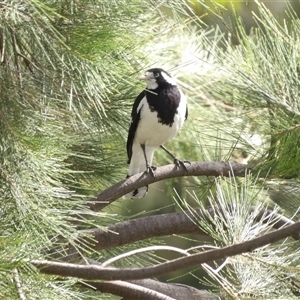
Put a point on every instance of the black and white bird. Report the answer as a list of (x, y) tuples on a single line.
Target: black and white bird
[(157, 115)]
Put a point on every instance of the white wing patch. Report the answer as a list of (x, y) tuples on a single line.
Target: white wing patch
[(141, 104)]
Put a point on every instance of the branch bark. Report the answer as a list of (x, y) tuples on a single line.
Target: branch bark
[(129, 290), (140, 229), (176, 291), (123, 233), (92, 272), (125, 186)]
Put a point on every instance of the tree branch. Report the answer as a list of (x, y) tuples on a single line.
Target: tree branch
[(140, 229), (143, 228), (91, 272), (128, 290), (177, 291), (169, 171)]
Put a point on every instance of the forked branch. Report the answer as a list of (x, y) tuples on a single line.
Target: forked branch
[(92, 272)]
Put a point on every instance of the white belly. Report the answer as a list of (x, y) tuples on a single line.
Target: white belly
[(152, 133)]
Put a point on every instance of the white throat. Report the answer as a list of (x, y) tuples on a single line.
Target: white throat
[(151, 84)]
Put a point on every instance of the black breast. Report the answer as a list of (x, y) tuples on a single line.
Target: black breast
[(165, 102)]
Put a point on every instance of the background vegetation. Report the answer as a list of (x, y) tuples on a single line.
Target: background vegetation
[(67, 82)]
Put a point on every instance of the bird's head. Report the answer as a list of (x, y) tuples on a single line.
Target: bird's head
[(157, 77)]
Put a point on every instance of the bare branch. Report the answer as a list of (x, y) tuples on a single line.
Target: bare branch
[(123, 187), (128, 290), (162, 225), (91, 272), (142, 228), (177, 291), (141, 250)]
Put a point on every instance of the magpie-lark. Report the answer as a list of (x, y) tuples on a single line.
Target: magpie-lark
[(157, 115)]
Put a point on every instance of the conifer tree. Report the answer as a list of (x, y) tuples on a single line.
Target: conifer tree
[(67, 82)]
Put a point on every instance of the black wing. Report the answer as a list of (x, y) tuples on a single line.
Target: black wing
[(135, 118)]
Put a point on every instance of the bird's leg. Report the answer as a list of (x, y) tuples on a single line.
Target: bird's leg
[(177, 161), (148, 167)]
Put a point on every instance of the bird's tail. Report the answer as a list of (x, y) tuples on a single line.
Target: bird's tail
[(137, 193)]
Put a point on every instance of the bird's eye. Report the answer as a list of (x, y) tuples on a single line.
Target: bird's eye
[(156, 75)]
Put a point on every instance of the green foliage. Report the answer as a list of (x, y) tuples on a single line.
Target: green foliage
[(62, 127), (267, 272), (67, 82), (263, 68)]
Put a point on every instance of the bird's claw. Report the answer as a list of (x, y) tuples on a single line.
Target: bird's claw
[(181, 163), (150, 169)]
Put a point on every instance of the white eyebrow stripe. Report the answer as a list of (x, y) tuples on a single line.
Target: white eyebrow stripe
[(168, 79)]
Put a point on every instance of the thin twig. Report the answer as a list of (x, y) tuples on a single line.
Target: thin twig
[(141, 250), (226, 285), (151, 92), (16, 50), (202, 247), (18, 284), (3, 44)]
